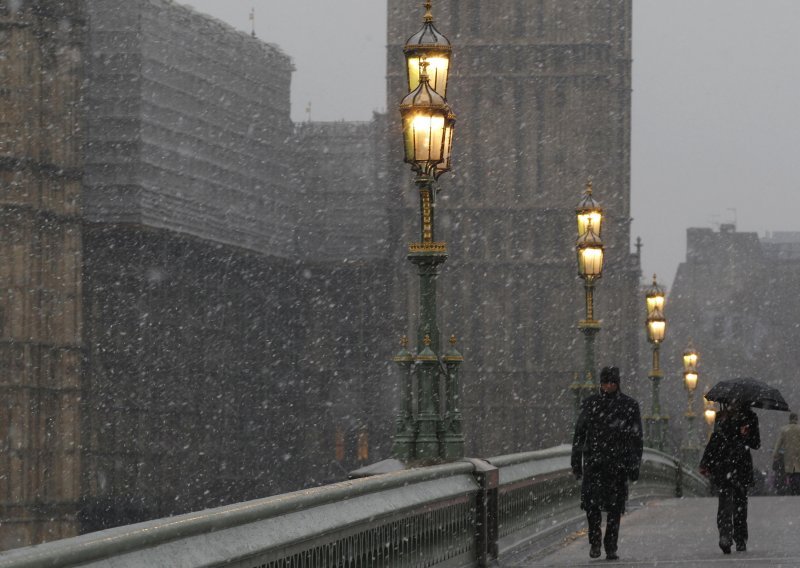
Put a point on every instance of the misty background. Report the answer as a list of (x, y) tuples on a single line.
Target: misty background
[(715, 89)]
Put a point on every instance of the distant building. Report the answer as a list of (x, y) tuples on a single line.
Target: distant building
[(735, 299)]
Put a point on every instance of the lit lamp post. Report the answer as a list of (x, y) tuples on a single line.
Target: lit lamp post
[(656, 329), (710, 414), (690, 450), (425, 433), (590, 249)]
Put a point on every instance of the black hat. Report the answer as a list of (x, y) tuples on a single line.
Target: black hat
[(609, 375)]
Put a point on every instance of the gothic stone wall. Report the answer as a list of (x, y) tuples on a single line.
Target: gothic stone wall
[(40, 257)]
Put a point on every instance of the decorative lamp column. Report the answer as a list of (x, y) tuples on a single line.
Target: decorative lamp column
[(453, 436), (428, 126), (691, 452), (656, 423), (404, 425), (590, 252)]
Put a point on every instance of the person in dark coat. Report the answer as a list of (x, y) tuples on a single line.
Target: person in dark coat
[(728, 463), (606, 454)]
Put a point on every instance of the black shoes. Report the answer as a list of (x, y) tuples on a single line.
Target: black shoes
[(594, 551), (741, 547), (725, 544), (612, 556)]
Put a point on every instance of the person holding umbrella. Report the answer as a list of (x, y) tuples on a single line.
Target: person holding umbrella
[(728, 463), (727, 460)]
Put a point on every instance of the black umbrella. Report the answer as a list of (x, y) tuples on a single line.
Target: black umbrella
[(748, 391)]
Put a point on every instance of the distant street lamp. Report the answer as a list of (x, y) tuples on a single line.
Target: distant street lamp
[(690, 359), (656, 423), (710, 414), (425, 433), (590, 252)]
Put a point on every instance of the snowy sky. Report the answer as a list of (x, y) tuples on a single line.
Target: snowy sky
[(716, 105)]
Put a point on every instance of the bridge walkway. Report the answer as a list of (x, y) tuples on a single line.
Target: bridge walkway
[(682, 533)]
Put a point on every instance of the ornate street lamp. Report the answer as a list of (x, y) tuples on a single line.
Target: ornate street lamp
[(590, 252), (656, 323), (427, 432), (431, 46), (428, 126), (589, 212), (690, 376), (710, 414)]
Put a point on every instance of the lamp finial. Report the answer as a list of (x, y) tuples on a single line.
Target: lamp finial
[(428, 13)]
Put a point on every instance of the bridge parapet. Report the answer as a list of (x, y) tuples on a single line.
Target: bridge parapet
[(459, 514)]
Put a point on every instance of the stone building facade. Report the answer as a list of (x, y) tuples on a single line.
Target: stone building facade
[(734, 298), (41, 341), (172, 328), (542, 93)]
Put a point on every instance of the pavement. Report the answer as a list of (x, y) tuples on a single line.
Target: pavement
[(682, 533)]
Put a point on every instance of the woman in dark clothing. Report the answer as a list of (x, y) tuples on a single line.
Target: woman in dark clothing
[(729, 465)]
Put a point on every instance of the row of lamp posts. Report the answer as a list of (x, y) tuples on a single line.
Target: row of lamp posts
[(431, 429), (590, 253)]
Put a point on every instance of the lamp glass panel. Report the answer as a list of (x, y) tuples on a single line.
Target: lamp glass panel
[(656, 330), (655, 306), (590, 261), (424, 133), (710, 416), (583, 222), (444, 165), (438, 68), (689, 361), (690, 379)]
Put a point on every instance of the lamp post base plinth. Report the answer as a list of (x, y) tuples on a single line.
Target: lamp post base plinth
[(453, 448), (656, 431), (403, 443), (426, 445)]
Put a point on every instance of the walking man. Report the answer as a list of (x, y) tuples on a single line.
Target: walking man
[(788, 446), (606, 454)]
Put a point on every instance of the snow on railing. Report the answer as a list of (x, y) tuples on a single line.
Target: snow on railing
[(459, 514)]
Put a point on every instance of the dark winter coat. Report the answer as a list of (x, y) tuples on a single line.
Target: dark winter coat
[(607, 450), (726, 459)]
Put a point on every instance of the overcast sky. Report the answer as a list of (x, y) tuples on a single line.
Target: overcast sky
[(716, 103)]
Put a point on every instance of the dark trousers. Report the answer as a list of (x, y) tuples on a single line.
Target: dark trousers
[(794, 483), (732, 514), (595, 518)]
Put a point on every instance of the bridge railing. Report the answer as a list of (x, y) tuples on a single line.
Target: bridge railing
[(458, 514)]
